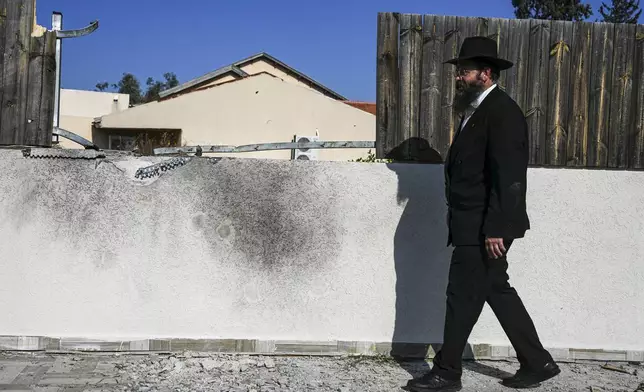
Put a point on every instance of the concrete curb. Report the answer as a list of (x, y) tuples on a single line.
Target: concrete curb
[(284, 347)]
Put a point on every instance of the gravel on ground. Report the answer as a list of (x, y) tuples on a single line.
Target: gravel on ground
[(93, 372)]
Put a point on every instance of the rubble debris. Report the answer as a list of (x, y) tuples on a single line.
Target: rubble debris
[(53, 153), (262, 373), (156, 169), (616, 369)]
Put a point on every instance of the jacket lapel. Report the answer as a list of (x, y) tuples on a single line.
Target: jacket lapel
[(454, 149)]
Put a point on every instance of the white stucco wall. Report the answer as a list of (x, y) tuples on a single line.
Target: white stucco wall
[(258, 109), (271, 249)]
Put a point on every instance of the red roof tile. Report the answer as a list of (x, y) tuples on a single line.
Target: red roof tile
[(369, 107)]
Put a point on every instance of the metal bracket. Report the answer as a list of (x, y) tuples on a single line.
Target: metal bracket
[(75, 138), (78, 33), (265, 147), (57, 28)]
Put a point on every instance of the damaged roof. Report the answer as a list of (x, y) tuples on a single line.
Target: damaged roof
[(235, 68)]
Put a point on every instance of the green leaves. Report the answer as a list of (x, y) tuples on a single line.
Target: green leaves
[(559, 48), (572, 10), (371, 158), (621, 11)]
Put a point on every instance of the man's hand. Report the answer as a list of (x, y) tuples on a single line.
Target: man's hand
[(495, 247)]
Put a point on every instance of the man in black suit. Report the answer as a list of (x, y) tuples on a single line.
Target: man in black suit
[(485, 179)]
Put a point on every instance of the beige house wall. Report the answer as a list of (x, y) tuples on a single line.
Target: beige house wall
[(258, 109), (79, 108)]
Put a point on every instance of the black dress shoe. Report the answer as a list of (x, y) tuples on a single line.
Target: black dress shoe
[(528, 378), (434, 382)]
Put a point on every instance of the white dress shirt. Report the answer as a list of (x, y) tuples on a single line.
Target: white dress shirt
[(475, 104)]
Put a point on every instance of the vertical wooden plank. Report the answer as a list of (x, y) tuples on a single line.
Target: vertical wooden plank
[(621, 93), (536, 90), (577, 143), (35, 78), (558, 92), (3, 23), (469, 27), (9, 77), (600, 94), (497, 29), (42, 68), (27, 23), (432, 79), (519, 34), (480, 26), (450, 51), (637, 161), (18, 24), (411, 56), (387, 86)]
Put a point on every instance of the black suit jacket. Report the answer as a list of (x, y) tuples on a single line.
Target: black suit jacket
[(485, 174)]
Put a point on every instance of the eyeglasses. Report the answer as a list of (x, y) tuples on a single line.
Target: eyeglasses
[(464, 71)]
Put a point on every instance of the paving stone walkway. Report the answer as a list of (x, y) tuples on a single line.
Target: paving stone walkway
[(239, 373)]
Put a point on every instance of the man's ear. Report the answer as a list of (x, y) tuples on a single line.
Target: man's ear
[(488, 73)]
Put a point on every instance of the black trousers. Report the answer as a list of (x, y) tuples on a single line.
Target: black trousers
[(473, 280)]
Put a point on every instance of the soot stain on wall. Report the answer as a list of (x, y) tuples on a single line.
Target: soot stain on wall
[(277, 215)]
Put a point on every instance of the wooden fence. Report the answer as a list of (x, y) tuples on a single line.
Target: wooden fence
[(27, 76), (580, 84)]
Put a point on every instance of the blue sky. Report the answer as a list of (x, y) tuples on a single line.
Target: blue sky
[(332, 41)]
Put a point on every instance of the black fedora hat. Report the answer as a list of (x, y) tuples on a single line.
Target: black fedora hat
[(481, 48)]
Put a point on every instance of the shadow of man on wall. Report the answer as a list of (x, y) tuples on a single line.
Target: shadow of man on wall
[(421, 254)]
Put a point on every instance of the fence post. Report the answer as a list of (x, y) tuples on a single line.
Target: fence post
[(387, 88), (411, 57), (24, 115)]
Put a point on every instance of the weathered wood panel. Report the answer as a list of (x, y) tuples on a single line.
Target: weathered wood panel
[(468, 27), (518, 52), (387, 87), (577, 143), (450, 51), (410, 51), (27, 14), (14, 78), (600, 94), (578, 83), (621, 109), (432, 79), (537, 90), (22, 87), (40, 100), (558, 92), (497, 29), (481, 25), (3, 24), (637, 160)]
